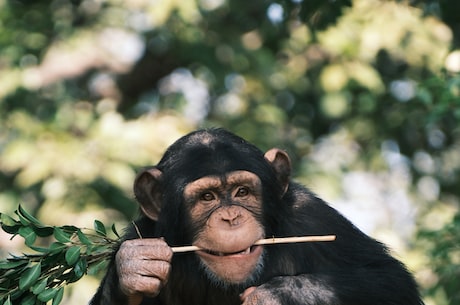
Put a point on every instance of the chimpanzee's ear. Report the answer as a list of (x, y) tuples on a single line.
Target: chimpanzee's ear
[(148, 191), (281, 163)]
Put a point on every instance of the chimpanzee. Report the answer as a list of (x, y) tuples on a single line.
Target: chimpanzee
[(214, 190)]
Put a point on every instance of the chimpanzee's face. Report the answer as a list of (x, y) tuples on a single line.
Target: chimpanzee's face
[(226, 215), (212, 185)]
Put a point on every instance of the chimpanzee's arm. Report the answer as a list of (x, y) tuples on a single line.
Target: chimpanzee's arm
[(109, 291), (365, 286)]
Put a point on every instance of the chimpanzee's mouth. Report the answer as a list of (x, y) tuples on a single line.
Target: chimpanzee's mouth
[(246, 251)]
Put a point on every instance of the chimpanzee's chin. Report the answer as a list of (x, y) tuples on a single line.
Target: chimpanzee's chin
[(251, 280)]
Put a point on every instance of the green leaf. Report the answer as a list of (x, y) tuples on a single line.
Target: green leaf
[(7, 220), (114, 230), (96, 268), (28, 234), (30, 276), (8, 301), (100, 228), (68, 228), (39, 287), (9, 225), (43, 231), (97, 249), (16, 294), (29, 300), (47, 294), (39, 249), (61, 236), (57, 246), (82, 237), (10, 264), (11, 229), (78, 271), (72, 255), (58, 297), (23, 212), (23, 220)]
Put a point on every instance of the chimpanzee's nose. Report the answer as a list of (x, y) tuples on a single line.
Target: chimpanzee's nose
[(231, 215)]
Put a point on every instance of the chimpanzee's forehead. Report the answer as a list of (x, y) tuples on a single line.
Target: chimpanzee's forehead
[(213, 152), (214, 147), (202, 160)]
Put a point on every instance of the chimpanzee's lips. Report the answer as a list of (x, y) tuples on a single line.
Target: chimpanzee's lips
[(246, 251), (242, 252)]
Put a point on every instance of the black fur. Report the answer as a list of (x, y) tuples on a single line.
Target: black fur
[(353, 270)]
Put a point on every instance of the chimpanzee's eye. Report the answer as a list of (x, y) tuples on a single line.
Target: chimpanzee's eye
[(207, 197), (242, 191)]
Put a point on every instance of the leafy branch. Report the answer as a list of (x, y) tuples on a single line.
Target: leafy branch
[(35, 279)]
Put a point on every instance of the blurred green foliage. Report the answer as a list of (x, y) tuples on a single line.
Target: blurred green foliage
[(91, 90)]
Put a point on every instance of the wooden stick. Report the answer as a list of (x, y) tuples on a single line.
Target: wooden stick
[(185, 249), (269, 241), (290, 240)]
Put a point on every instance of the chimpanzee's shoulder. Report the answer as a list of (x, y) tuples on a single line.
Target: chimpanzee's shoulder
[(301, 196)]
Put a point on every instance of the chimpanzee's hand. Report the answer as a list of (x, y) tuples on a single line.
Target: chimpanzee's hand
[(143, 267), (296, 289), (259, 296)]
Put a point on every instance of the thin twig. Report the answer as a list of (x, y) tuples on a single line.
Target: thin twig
[(269, 241), (137, 230)]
